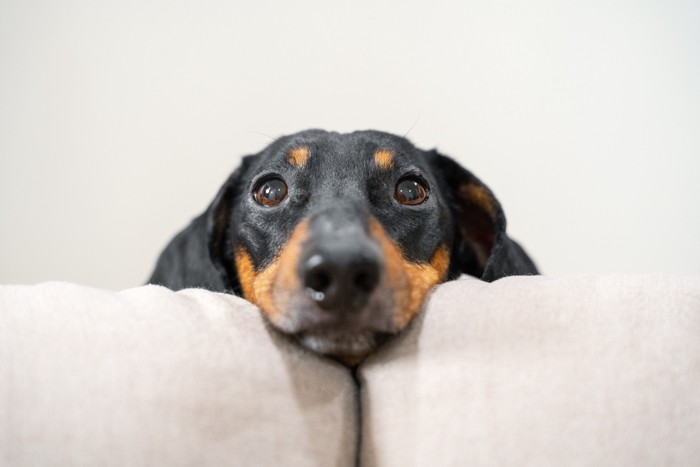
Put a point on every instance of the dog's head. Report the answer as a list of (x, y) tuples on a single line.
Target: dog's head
[(338, 238)]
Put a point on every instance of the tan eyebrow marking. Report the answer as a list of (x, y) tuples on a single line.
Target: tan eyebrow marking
[(384, 158), (299, 156)]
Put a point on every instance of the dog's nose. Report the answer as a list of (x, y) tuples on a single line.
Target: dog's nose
[(340, 281)]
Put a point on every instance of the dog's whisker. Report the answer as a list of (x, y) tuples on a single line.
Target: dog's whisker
[(414, 123), (271, 138)]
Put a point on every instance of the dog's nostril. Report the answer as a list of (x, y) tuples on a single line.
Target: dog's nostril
[(366, 279), (318, 279), (338, 283)]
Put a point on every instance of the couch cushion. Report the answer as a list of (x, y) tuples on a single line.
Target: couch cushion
[(545, 372), (152, 377)]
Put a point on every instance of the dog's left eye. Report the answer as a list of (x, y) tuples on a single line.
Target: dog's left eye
[(270, 192), (410, 191)]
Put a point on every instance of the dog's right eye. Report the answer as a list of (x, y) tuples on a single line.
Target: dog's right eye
[(270, 192), (410, 191)]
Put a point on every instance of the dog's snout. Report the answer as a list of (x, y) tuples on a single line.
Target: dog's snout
[(340, 279)]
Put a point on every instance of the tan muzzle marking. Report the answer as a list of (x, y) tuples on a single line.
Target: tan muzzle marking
[(410, 282), (271, 287)]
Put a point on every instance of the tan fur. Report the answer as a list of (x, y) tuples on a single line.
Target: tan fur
[(299, 156), (481, 215), (384, 159), (262, 287), (480, 197), (246, 274), (409, 282)]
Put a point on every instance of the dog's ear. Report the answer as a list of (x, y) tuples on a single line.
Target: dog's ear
[(217, 221), (202, 254), (481, 247)]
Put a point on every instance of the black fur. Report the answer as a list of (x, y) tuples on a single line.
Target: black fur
[(342, 179)]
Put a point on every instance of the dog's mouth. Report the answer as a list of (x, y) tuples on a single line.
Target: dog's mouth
[(341, 298), (347, 347), (342, 334)]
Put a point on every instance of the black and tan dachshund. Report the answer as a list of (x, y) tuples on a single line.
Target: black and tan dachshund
[(338, 238)]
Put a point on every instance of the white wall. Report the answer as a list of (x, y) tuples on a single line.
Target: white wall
[(119, 120)]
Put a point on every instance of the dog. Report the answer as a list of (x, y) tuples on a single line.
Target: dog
[(339, 238)]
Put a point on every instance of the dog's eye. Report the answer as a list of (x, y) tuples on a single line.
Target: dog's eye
[(410, 191), (270, 192)]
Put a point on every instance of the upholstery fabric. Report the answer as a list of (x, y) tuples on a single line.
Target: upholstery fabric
[(536, 371), (585, 371), (150, 377)]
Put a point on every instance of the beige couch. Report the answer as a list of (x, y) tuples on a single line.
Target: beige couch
[(591, 370)]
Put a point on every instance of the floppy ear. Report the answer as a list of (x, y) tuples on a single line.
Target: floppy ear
[(481, 247), (218, 220), (201, 255)]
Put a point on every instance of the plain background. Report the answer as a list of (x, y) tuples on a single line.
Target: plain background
[(120, 120)]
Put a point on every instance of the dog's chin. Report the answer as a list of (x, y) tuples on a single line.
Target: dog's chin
[(347, 335), (349, 348)]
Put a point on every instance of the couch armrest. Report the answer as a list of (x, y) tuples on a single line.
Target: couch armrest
[(152, 377), (582, 371)]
